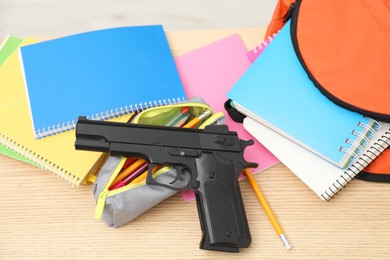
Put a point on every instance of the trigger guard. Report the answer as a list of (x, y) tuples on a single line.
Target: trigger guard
[(151, 181), (179, 170), (149, 178)]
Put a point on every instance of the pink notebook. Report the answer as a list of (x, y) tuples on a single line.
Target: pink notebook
[(210, 72)]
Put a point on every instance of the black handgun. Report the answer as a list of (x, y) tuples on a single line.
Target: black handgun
[(213, 157)]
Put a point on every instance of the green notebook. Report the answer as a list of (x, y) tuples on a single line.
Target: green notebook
[(9, 45)]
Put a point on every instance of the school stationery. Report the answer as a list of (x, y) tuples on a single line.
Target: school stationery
[(267, 209), (324, 178), (55, 154), (277, 92), (101, 74)]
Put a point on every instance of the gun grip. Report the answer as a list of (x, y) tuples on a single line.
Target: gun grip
[(221, 212)]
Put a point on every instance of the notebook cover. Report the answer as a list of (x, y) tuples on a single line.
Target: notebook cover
[(99, 74), (8, 46), (321, 176), (55, 153), (277, 92), (210, 72)]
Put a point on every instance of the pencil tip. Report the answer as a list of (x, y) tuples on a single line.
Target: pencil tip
[(287, 245)]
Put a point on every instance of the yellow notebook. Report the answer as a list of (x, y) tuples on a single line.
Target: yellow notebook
[(55, 153)]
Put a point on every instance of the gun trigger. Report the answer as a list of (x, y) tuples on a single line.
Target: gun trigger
[(179, 169)]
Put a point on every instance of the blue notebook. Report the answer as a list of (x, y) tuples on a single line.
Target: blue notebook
[(277, 92), (99, 74)]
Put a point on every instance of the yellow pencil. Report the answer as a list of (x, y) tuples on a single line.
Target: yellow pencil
[(197, 119), (267, 208)]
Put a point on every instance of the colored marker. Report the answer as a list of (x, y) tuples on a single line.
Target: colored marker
[(129, 170), (128, 162), (197, 119), (178, 116), (142, 177), (182, 120), (129, 178)]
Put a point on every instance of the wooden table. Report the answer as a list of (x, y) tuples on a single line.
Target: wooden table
[(43, 217)]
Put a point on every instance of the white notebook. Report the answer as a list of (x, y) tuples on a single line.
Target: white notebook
[(324, 178), (277, 92)]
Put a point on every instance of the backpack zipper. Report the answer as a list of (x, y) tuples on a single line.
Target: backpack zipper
[(290, 10)]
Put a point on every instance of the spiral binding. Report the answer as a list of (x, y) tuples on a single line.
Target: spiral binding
[(366, 158), (260, 47), (38, 160), (256, 51), (356, 145), (108, 114), (360, 135)]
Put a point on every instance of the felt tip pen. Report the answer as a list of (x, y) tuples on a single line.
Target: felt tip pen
[(129, 170), (129, 161), (129, 178), (178, 116), (143, 176)]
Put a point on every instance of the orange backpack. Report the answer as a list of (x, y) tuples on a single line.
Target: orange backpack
[(344, 47)]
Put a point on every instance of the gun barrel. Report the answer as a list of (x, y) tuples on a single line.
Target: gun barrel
[(98, 136)]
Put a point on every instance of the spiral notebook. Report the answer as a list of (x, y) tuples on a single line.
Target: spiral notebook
[(56, 153), (8, 46), (276, 91), (324, 178), (101, 74)]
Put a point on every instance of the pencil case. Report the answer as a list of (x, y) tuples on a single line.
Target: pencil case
[(120, 206)]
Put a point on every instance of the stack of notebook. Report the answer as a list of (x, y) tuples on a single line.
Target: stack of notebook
[(105, 75), (323, 144)]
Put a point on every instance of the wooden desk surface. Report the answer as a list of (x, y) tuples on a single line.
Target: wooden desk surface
[(42, 217)]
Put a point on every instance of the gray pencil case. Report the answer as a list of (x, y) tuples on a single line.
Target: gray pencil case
[(120, 206)]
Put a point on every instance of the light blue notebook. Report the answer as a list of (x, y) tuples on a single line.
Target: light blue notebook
[(99, 74), (277, 92)]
